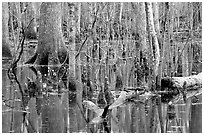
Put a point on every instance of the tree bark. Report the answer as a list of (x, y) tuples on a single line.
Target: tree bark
[(5, 32), (50, 52), (152, 33), (73, 125), (51, 49), (155, 52), (142, 22)]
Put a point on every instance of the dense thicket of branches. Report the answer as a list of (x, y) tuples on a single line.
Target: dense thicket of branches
[(93, 51)]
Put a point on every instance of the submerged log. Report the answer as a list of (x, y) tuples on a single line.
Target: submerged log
[(181, 86)]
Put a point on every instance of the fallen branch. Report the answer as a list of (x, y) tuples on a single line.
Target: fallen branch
[(181, 86)]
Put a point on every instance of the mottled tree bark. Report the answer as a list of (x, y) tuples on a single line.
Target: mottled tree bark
[(73, 124), (155, 52), (5, 33), (155, 44), (51, 51)]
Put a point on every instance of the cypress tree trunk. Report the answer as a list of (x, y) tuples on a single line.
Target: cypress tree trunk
[(51, 51), (5, 33)]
